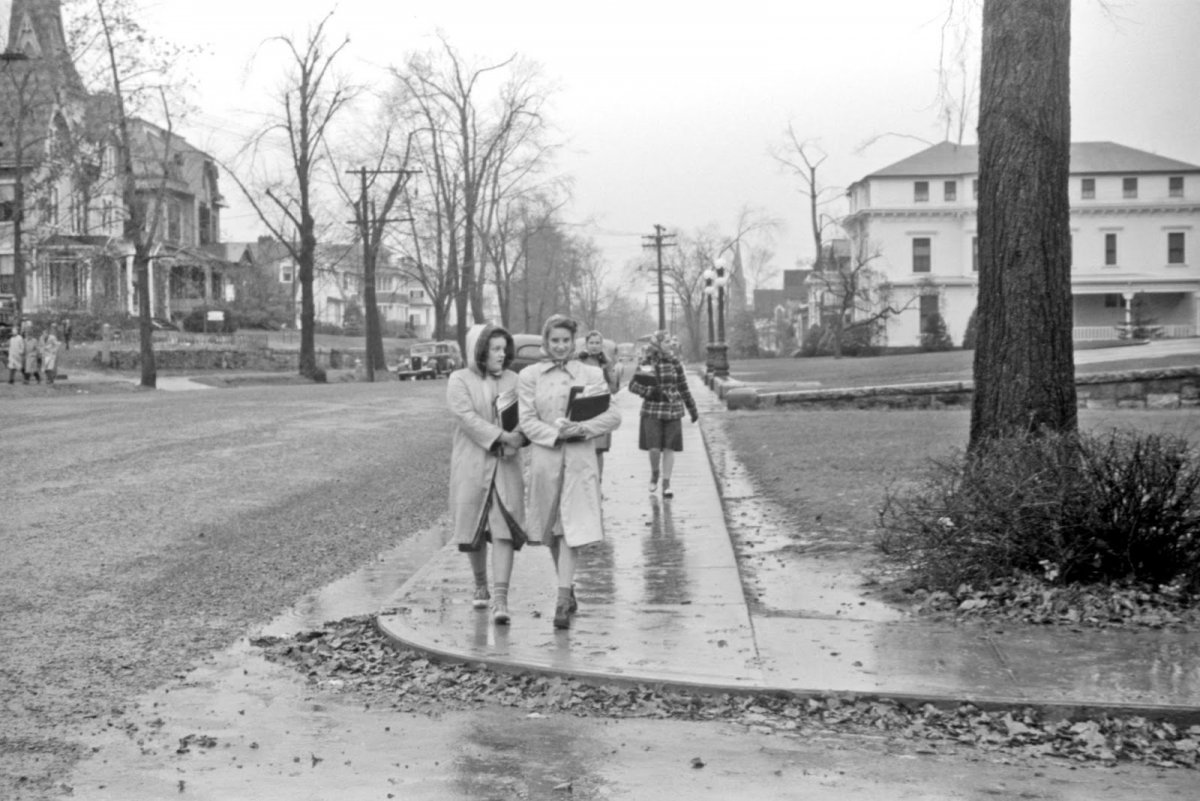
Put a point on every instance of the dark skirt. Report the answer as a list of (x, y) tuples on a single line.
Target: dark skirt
[(660, 435)]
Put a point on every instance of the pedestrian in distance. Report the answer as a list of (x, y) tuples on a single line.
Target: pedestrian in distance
[(48, 345), (16, 356), (594, 355), (661, 382), (33, 357), (563, 506), (487, 487), (66, 332)]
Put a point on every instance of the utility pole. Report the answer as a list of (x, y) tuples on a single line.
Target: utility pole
[(657, 240), (370, 227)]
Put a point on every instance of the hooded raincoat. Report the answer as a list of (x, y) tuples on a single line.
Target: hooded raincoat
[(564, 477), (487, 489)]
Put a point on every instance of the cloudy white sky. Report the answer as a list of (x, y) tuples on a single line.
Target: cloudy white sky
[(669, 109)]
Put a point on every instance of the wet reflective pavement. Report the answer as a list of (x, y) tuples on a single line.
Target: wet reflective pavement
[(662, 601)]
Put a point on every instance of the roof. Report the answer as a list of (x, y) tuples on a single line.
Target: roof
[(947, 158)]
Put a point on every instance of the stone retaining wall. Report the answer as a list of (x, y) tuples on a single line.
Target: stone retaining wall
[(1164, 388), (222, 358)]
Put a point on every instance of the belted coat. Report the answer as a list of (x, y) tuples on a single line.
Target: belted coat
[(564, 477)]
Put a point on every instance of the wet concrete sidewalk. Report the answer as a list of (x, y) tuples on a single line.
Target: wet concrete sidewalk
[(661, 601)]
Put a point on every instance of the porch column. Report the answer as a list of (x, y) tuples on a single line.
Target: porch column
[(208, 277), (1129, 296), (1195, 313)]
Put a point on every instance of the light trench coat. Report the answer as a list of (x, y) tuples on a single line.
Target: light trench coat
[(564, 479), (472, 400), (49, 347), (16, 352)]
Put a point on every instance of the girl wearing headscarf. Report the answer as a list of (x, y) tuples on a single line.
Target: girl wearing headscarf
[(593, 354), (564, 478), (661, 382), (487, 488)]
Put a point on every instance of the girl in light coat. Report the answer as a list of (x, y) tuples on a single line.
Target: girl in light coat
[(16, 357), (564, 478), (487, 489)]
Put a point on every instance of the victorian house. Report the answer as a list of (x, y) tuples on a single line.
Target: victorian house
[(62, 213), (1134, 222)]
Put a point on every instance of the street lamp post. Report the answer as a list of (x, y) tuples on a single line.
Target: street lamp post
[(720, 350), (709, 290)]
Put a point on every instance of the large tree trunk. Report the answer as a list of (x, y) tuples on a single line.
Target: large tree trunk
[(1024, 363), (308, 317), (141, 266)]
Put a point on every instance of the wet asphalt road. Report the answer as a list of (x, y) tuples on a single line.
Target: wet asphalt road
[(148, 536)]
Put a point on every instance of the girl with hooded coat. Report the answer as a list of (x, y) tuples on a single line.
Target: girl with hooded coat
[(487, 488), (564, 480)]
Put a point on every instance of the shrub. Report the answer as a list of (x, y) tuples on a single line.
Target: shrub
[(971, 333), (934, 336), (1073, 509), (857, 340)]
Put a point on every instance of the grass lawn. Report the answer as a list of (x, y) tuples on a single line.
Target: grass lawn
[(913, 368), (831, 469)]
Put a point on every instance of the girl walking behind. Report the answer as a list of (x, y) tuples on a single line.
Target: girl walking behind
[(48, 343), (594, 355), (33, 357), (661, 382), (564, 478), (487, 489)]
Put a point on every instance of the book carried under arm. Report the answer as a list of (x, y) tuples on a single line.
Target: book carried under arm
[(584, 403), (507, 414), (645, 376)]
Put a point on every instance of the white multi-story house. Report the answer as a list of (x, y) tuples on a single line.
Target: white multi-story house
[(1134, 222)]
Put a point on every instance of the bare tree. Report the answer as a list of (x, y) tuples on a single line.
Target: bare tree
[(853, 296), (517, 222), (385, 180), (957, 80), (137, 71), (1024, 361), (311, 100), (474, 146), (803, 158), (20, 115)]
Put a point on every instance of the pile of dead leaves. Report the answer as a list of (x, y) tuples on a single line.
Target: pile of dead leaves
[(1031, 600), (351, 656)]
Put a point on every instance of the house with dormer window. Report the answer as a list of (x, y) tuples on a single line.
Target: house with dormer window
[(1135, 217)]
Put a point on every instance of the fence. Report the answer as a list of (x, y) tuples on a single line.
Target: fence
[(1100, 333)]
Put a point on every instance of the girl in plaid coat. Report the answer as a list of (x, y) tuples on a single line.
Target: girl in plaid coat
[(661, 382)]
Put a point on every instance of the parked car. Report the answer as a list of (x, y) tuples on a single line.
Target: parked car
[(527, 350), (443, 356)]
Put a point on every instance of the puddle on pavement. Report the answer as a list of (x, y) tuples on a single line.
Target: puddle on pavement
[(365, 590)]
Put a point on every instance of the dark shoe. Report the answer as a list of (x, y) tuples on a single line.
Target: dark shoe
[(562, 616), (572, 604), (482, 597), (667, 493), (500, 613)]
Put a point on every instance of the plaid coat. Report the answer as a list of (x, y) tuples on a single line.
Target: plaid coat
[(670, 397)]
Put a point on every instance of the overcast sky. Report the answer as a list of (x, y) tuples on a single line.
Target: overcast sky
[(670, 108)]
